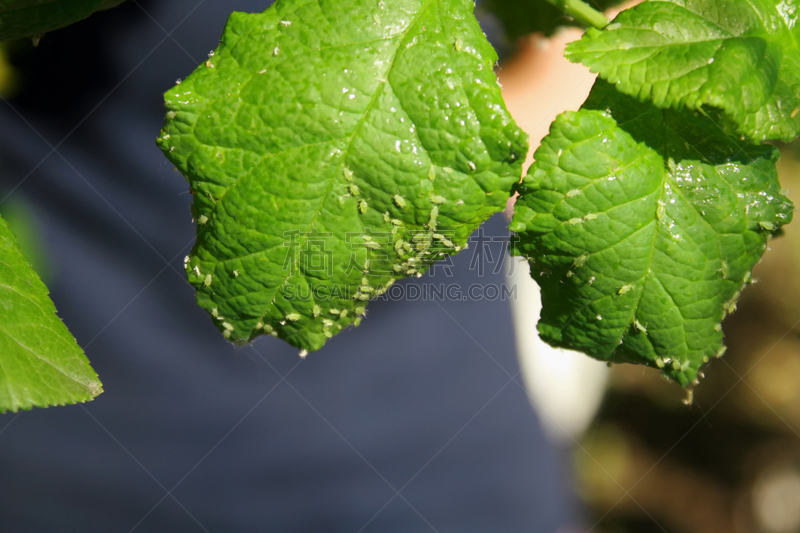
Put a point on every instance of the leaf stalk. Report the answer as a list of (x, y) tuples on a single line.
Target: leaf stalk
[(582, 12)]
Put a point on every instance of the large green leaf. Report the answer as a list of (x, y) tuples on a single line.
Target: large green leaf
[(739, 56), (333, 147), (40, 362), (26, 18), (642, 226)]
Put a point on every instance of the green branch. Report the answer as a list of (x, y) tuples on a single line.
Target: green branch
[(582, 12)]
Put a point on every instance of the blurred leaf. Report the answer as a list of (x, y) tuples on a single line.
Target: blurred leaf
[(31, 18), (40, 362)]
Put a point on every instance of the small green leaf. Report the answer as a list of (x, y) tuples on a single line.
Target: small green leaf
[(741, 57), (672, 215), (40, 362), (28, 18), (326, 144)]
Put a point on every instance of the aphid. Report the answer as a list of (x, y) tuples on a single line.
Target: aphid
[(459, 44), (444, 240), (638, 325), (348, 174), (387, 217), (227, 326), (294, 317), (436, 199), (354, 190), (769, 226), (590, 216), (343, 313), (396, 222), (276, 51), (207, 280), (434, 215), (235, 273), (660, 210), (372, 245), (197, 270), (333, 311), (591, 280), (625, 289), (581, 259), (724, 269), (362, 206), (400, 201), (574, 221), (432, 173), (689, 392), (573, 192), (286, 23), (472, 166), (721, 352)]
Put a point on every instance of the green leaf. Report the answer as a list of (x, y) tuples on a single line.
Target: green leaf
[(642, 226), (332, 148), (40, 362), (741, 57), (28, 18)]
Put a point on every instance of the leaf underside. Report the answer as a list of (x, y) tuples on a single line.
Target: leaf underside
[(27, 18), (332, 148), (642, 226), (740, 57), (40, 362)]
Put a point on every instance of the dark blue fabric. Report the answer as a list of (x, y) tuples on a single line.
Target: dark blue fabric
[(419, 399)]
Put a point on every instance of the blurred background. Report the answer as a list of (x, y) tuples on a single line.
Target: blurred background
[(640, 459)]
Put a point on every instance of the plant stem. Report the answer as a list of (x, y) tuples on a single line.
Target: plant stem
[(583, 13)]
